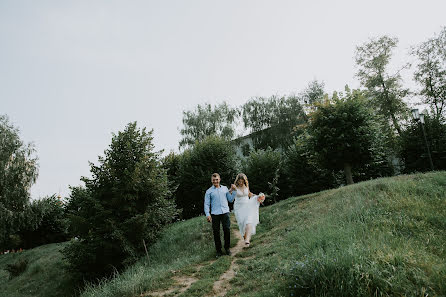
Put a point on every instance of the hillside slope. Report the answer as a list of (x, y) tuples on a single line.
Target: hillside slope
[(385, 237), (44, 275)]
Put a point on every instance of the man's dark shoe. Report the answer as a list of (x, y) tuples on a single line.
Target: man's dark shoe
[(228, 252), (219, 254)]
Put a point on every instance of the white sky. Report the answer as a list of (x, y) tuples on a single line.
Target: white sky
[(73, 72)]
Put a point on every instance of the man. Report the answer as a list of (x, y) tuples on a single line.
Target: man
[(217, 211)]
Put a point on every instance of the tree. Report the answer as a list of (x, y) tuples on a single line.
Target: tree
[(18, 172), (207, 120), (385, 90), (271, 120), (413, 149), (313, 93), (123, 206), (430, 73), (346, 134), (197, 164)]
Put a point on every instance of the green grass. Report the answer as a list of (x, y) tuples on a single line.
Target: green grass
[(385, 237), (43, 276)]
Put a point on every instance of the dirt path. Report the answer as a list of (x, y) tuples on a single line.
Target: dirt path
[(182, 283), (222, 286)]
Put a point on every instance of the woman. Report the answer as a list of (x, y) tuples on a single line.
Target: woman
[(246, 208)]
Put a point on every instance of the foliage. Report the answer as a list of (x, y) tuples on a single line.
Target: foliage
[(413, 149), (275, 117), (197, 164), (384, 89), (49, 223), (171, 163), (207, 120), (313, 93), (346, 134), (430, 73), (124, 205), (262, 167), (18, 172), (302, 173)]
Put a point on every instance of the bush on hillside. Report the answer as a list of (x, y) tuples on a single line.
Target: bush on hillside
[(197, 164), (263, 169), (301, 173), (171, 163), (125, 204), (50, 223)]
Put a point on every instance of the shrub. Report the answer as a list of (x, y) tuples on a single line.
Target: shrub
[(125, 204), (263, 169), (301, 173), (197, 164)]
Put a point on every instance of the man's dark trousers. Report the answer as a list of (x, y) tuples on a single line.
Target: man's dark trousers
[(224, 220)]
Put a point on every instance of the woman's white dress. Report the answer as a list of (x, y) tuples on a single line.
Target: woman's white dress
[(246, 210)]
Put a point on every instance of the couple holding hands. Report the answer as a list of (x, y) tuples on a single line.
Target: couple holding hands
[(246, 209)]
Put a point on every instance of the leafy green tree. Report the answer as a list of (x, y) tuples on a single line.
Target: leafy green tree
[(301, 172), (197, 164), (384, 89), (430, 73), (18, 172), (413, 149), (49, 223), (271, 120), (346, 134), (207, 120), (123, 206), (262, 167)]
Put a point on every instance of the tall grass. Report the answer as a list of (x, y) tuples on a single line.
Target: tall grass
[(385, 237)]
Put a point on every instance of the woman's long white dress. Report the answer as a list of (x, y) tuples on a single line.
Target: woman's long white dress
[(246, 210)]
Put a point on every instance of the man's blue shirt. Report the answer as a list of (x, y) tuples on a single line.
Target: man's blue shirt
[(216, 200)]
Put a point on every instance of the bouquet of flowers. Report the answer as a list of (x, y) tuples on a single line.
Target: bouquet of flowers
[(261, 197)]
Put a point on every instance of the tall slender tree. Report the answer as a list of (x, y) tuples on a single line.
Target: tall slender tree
[(385, 89), (430, 73)]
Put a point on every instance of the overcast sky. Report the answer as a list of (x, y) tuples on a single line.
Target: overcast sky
[(73, 72)]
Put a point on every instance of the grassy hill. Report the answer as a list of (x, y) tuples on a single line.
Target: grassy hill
[(385, 237), (44, 274)]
